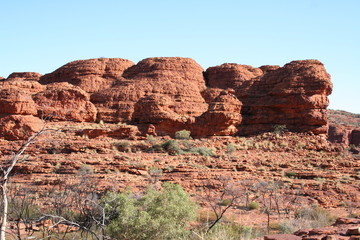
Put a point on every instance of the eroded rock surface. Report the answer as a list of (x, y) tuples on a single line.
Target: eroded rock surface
[(65, 102), (16, 101), (91, 75), (174, 93), (294, 95), (24, 76), (19, 127), (173, 83)]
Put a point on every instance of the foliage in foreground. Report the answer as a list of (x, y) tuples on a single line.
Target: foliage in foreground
[(307, 217), (162, 214)]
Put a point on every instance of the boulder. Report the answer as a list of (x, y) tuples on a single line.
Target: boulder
[(231, 75), (65, 102), (19, 127), (91, 75), (16, 101), (24, 76)]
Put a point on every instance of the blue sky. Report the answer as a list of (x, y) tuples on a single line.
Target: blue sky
[(42, 35)]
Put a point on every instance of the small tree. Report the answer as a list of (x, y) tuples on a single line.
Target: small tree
[(156, 215), (222, 201), (7, 169)]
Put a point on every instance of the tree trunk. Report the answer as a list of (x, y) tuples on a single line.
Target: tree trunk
[(5, 210)]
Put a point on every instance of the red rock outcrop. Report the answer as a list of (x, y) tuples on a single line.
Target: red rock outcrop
[(342, 229), (339, 134), (174, 93), (222, 117), (91, 75), (24, 76), (178, 80), (63, 101), (268, 68), (16, 101), (231, 75), (355, 137), (348, 135), (18, 127), (30, 87), (120, 132), (294, 95)]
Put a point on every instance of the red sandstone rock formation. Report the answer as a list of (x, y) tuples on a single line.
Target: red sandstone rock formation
[(294, 95), (18, 127), (63, 101), (222, 117), (231, 75), (24, 76), (348, 135), (178, 80), (171, 94), (30, 87), (91, 75), (16, 101), (16, 110)]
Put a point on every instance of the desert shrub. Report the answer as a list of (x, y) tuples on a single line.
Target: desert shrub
[(253, 205), (279, 129), (203, 151), (308, 217), (156, 215), (226, 202), (183, 134), (317, 214), (151, 140), (230, 231), (123, 146), (290, 174), (85, 169), (172, 147), (230, 148)]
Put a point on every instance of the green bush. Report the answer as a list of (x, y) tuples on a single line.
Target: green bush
[(230, 148), (308, 217), (123, 146), (85, 169), (203, 151), (183, 134), (279, 129), (290, 174), (172, 147), (253, 205), (162, 214), (226, 202), (230, 231)]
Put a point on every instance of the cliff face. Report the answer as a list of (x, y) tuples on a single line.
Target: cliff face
[(172, 93), (294, 95)]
